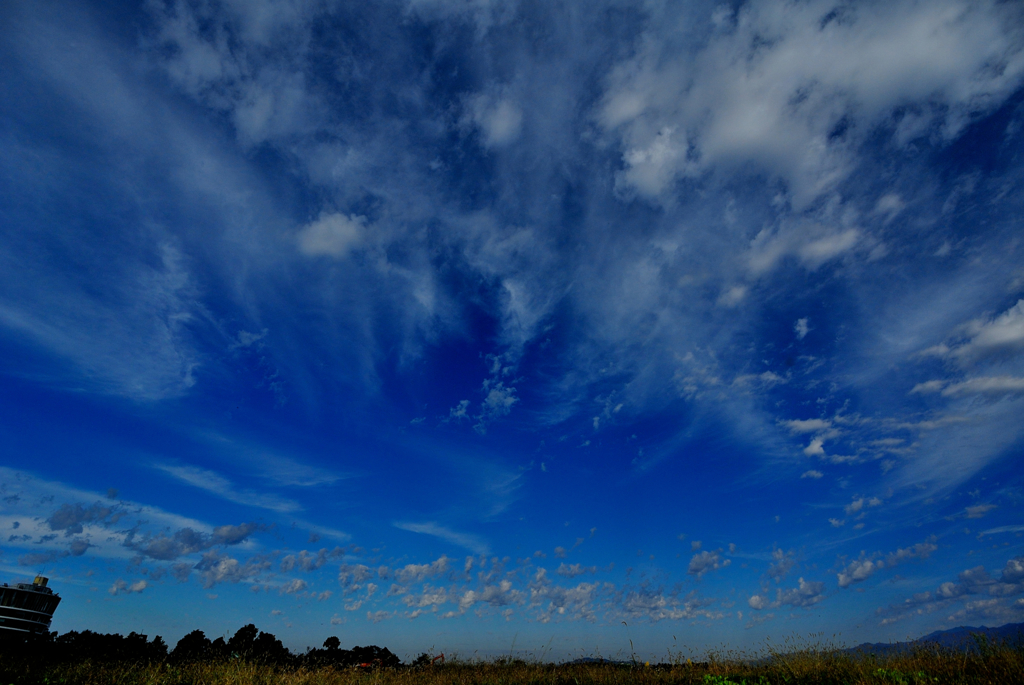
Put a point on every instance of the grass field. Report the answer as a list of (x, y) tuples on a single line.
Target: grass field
[(991, 663)]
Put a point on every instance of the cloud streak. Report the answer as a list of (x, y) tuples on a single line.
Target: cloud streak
[(218, 485), (468, 541)]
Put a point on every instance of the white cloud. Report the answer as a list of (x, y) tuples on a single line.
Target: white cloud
[(778, 88), (928, 387), (498, 595), (414, 573), (804, 595), (921, 550), (782, 564), (245, 339), (459, 411), (978, 511), (215, 567), (890, 204), (654, 604), (121, 587), (499, 119), (556, 602), (573, 570), (167, 547), (813, 245), (818, 251), (757, 602), (353, 575), (956, 446), (485, 14), (993, 385), (811, 474), (651, 168), (733, 296), (30, 502), (814, 448), (332, 235), (356, 603), (471, 542), (807, 425), (856, 571), (973, 581), (498, 400), (705, 562), (976, 342), (1002, 529), (307, 561), (71, 518), (270, 465), (1013, 571), (940, 350), (801, 328), (293, 586), (144, 351), (865, 566), (266, 99), (216, 484), (995, 611), (860, 503), (429, 596), (1000, 337)]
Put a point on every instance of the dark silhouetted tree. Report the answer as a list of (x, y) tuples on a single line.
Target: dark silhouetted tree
[(241, 643), (219, 649), (79, 646), (268, 649), (193, 647)]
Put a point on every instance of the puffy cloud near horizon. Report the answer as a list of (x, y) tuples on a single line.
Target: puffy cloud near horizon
[(805, 594), (970, 582), (122, 587)]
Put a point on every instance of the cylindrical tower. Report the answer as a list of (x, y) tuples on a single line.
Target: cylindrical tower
[(26, 609)]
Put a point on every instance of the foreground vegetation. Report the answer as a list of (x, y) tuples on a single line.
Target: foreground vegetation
[(792, 665)]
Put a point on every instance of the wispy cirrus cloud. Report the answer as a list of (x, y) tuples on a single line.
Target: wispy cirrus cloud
[(473, 543), (218, 485), (270, 464)]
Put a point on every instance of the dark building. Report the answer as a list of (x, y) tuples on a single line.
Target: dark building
[(26, 608)]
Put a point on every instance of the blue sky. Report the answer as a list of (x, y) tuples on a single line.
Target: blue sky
[(476, 324)]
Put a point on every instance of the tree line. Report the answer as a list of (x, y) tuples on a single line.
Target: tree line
[(248, 643)]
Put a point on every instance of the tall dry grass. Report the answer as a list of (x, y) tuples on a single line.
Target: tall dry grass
[(788, 663)]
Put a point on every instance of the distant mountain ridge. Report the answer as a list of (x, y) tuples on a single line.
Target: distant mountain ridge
[(954, 638)]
